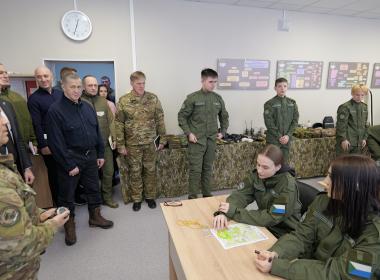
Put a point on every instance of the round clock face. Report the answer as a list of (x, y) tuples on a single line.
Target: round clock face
[(76, 25)]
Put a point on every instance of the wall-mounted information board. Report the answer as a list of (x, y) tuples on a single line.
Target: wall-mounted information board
[(243, 74), (346, 74), (301, 74), (376, 76)]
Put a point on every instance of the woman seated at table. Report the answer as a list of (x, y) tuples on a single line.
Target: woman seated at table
[(340, 233), (272, 185)]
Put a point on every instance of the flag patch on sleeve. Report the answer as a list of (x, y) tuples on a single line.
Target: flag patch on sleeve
[(279, 209), (359, 270)]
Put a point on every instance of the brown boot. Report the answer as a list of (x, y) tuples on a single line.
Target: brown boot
[(70, 235), (96, 219)]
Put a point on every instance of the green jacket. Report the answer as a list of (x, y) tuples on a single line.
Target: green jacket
[(280, 117), (104, 115), (332, 252), (352, 123), (373, 141), (22, 237), (139, 120), (270, 194), (199, 114), (22, 115)]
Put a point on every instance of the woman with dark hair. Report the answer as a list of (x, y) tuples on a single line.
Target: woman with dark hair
[(104, 92), (272, 185), (340, 232)]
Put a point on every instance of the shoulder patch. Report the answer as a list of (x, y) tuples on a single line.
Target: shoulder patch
[(279, 206), (342, 116), (266, 112), (9, 216), (360, 264)]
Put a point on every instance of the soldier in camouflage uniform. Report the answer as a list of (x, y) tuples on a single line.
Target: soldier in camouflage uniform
[(281, 117), (198, 119), (351, 124), (139, 119), (25, 229), (339, 236)]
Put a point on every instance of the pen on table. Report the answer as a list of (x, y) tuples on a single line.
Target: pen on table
[(258, 252)]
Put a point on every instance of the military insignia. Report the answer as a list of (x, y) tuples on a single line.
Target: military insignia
[(360, 264), (100, 113), (183, 106), (240, 186), (9, 216), (266, 112), (341, 116)]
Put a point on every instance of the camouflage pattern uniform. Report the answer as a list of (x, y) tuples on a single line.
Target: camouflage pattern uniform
[(281, 118), (107, 129), (199, 115), (330, 251), (139, 119), (22, 236), (351, 125)]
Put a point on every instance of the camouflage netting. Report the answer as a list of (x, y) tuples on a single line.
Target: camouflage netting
[(310, 157)]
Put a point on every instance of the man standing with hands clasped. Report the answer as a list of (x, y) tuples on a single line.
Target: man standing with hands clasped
[(198, 118), (281, 118), (77, 146)]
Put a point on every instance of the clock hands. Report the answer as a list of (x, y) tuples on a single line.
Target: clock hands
[(76, 26)]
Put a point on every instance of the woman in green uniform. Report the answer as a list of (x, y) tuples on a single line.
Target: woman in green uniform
[(272, 185), (339, 237), (351, 124), (25, 230)]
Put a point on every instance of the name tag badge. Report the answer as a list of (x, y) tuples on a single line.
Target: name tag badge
[(45, 136), (100, 113)]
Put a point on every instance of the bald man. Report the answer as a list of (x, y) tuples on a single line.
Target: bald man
[(39, 103)]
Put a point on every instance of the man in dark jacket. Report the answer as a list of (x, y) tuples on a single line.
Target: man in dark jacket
[(77, 146)]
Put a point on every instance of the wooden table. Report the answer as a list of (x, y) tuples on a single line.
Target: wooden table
[(196, 254)]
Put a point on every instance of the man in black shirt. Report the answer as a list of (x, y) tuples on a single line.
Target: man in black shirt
[(39, 103), (77, 147)]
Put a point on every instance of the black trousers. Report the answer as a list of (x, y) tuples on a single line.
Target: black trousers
[(87, 177), (51, 166)]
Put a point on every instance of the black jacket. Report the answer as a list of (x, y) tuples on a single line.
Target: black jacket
[(23, 159)]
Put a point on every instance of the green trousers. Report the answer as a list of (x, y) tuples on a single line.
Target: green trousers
[(123, 171), (141, 162), (107, 170), (201, 158)]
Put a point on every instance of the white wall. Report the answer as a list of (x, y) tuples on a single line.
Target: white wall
[(176, 39)]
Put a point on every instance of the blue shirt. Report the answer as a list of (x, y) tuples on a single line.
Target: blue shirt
[(72, 128), (39, 103)]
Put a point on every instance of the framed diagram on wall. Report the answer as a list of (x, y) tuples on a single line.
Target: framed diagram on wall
[(243, 74), (301, 74), (344, 75), (375, 82)]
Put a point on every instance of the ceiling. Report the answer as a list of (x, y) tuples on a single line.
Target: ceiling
[(352, 8)]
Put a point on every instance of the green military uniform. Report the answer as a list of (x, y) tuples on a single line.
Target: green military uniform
[(333, 254), (139, 119), (281, 118), (198, 115), (107, 129), (22, 236), (351, 125), (373, 141), (22, 115), (277, 200)]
